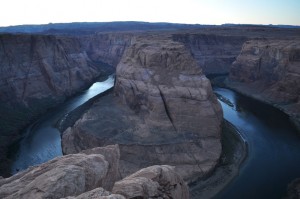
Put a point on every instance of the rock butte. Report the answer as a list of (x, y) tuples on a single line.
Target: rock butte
[(163, 112)]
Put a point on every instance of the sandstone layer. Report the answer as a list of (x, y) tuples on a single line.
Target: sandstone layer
[(93, 174), (269, 70), (163, 112)]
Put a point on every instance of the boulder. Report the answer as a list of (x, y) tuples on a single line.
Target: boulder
[(64, 176), (153, 182)]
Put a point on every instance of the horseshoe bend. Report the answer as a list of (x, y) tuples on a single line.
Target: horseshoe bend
[(158, 129)]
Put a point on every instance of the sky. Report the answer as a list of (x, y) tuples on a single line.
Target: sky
[(17, 12)]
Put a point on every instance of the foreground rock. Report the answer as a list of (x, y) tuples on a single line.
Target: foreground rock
[(269, 70), (64, 176), (153, 182), (92, 174), (98, 193), (164, 112)]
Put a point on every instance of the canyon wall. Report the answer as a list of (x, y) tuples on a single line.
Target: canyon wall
[(269, 70), (214, 53), (163, 112), (39, 71)]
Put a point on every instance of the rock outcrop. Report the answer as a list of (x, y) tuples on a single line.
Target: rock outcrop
[(92, 174), (269, 70), (68, 175), (153, 182), (164, 112)]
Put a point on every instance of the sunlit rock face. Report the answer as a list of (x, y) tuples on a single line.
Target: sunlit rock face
[(270, 70), (163, 112)]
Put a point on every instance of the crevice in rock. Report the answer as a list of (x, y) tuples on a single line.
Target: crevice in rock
[(166, 107)]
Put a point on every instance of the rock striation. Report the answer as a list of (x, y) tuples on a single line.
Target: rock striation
[(213, 52), (163, 112), (92, 174), (269, 70)]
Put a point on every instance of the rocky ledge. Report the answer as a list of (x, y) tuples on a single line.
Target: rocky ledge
[(163, 112), (269, 70), (93, 174)]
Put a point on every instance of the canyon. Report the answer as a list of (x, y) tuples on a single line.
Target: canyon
[(162, 110)]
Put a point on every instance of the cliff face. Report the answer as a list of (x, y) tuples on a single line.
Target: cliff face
[(214, 53), (164, 112), (39, 71), (270, 71), (106, 48)]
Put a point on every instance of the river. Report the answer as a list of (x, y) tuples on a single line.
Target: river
[(274, 148), (274, 145), (41, 140)]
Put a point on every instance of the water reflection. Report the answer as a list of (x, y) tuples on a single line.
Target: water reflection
[(42, 140), (274, 148)]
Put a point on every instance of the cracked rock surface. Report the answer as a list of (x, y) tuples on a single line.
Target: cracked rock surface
[(92, 174)]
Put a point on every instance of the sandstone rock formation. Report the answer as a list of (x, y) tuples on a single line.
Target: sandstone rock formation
[(89, 175), (164, 113), (153, 182), (64, 176), (269, 70)]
